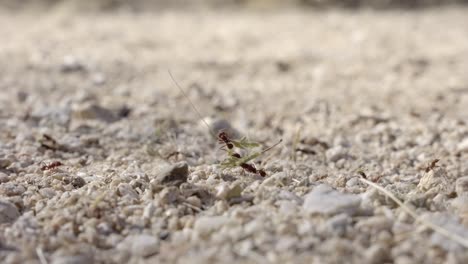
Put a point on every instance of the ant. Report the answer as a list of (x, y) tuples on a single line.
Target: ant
[(362, 173), (234, 159), (51, 165), (249, 167), (48, 142), (223, 138), (431, 165)]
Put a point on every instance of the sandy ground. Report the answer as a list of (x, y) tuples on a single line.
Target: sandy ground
[(383, 92)]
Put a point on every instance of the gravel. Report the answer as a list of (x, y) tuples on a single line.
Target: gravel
[(138, 176)]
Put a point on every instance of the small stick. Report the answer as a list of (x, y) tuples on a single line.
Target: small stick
[(270, 147), (455, 237), (192, 104), (40, 255), (191, 206)]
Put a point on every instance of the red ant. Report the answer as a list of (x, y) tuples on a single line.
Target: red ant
[(237, 160), (51, 165), (248, 167), (223, 138), (431, 165)]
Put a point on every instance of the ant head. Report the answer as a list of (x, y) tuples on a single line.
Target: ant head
[(223, 135), (262, 173)]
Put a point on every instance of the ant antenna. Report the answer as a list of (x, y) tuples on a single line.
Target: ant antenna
[(192, 104), (276, 144)]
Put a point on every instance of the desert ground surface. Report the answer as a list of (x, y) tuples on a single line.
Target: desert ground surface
[(103, 159)]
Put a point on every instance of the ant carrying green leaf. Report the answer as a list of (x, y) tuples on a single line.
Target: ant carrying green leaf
[(234, 159)]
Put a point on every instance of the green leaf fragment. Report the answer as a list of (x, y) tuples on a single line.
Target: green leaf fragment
[(243, 143), (249, 157)]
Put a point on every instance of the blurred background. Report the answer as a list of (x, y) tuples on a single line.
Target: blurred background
[(136, 5)]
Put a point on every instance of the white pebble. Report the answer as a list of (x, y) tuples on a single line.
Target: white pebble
[(140, 245), (47, 192), (125, 189), (208, 224), (324, 200), (463, 146), (336, 153)]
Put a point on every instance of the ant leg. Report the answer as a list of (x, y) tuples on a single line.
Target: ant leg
[(223, 148)]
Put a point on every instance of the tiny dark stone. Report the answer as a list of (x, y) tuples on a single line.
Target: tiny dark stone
[(175, 174), (124, 111), (241, 199), (283, 66), (78, 182), (22, 96), (164, 235)]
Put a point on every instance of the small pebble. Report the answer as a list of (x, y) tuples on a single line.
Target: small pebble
[(11, 189), (375, 223), (460, 204), (173, 175), (338, 224), (71, 64), (47, 192), (324, 200), (222, 191), (173, 223), (221, 125), (3, 177), (461, 186), (77, 259), (5, 163), (207, 224), (169, 195), (89, 110), (226, 191), (98, 79), (376, 254), (140, 245), (148, 211), (78, 182), (195, 201), (463, 146), (8, 212), (125, 189), (336, 153)]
